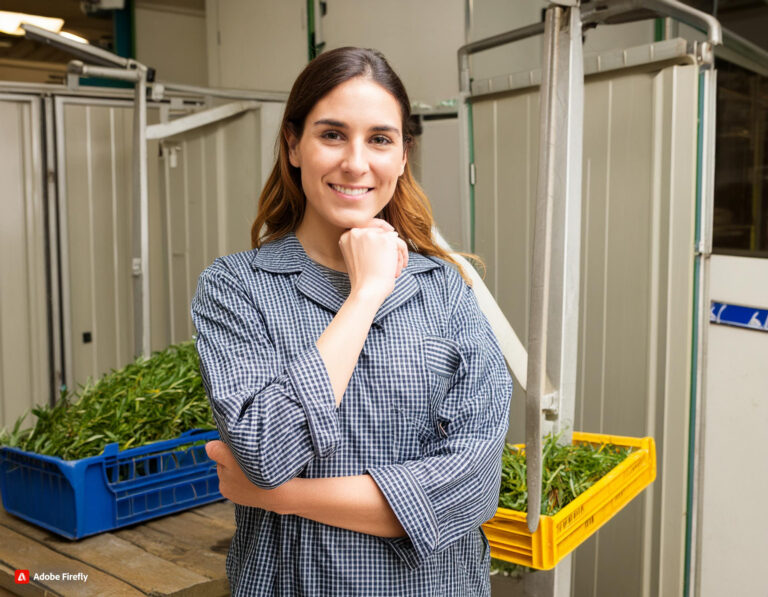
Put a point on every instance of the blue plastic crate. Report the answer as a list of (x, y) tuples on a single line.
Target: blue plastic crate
[(76, 498)]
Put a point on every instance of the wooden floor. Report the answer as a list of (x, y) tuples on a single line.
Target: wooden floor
[(182, 554)]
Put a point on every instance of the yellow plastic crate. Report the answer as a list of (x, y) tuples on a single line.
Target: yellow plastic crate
[(560, 534)]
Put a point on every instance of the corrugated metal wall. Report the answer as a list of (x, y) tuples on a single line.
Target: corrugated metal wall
[(636, 296), (24, 357), (203, 187)]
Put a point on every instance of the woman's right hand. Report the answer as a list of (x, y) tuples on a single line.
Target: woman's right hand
[(374, 256)]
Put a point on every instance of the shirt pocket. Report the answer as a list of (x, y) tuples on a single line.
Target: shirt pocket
[(443, 363)]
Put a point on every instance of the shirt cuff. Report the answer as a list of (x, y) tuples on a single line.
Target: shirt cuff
[(414, 511), (310, 380)]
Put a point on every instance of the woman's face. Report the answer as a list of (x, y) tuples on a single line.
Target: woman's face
[(350, 155)]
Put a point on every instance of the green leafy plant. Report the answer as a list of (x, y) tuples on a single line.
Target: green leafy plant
[(149, 400), (503, 568), (567, 471)]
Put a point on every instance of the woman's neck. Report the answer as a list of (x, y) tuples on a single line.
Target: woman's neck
[(321, 244)]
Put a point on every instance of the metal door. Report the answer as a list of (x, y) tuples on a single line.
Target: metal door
[(25, 374)]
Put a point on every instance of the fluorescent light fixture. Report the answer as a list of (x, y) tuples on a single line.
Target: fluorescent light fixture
[(10, 22), (73, 37), (86, 52)]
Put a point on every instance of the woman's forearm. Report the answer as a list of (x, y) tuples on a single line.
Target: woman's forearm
[(354, 503), (341, 342)]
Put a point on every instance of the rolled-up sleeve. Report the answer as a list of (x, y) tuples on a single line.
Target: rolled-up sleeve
[(454, 487), (275, 416)]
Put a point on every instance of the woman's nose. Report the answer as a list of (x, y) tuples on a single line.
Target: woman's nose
[(355, 160)]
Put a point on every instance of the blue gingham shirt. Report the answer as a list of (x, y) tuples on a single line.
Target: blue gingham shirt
[(425, 414)]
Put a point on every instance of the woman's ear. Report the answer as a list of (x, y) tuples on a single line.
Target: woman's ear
[(294, 156)]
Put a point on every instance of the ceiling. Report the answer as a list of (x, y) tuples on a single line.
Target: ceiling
[(748, 18)]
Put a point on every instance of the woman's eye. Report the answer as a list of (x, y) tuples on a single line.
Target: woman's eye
[(381, 140), (331, 135)]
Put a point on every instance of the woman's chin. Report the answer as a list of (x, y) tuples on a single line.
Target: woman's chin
[(356, 222)]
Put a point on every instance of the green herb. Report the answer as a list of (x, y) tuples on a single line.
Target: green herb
[(567, 471), (151, 399), (503, 568)]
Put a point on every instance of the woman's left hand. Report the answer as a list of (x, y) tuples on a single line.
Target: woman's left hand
[(235, 486)]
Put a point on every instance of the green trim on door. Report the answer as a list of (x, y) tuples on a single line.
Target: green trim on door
[(690, 514)]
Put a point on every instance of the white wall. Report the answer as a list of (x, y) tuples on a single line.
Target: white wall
[(419, 39), (262, 44), (172, 40), (256, 44)]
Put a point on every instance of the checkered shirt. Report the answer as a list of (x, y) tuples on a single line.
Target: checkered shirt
[(425, 414)]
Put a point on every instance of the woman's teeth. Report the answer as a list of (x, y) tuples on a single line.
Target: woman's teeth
[(349, 191)]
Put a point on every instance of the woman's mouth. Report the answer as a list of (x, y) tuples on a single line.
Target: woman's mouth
[(349, 191)]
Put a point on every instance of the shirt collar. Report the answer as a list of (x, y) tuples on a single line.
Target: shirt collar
[(286, 255)]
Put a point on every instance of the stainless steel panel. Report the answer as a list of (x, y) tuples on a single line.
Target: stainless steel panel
[(636, 291)]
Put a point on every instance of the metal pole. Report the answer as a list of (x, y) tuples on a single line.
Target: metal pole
[(538, 323), (141, 324), (553, 323)]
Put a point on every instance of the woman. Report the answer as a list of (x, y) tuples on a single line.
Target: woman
[(360, 394)]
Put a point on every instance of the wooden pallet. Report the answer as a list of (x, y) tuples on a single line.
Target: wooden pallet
[(181, 555)]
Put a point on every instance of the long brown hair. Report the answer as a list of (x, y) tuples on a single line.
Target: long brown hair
[(282, 202)]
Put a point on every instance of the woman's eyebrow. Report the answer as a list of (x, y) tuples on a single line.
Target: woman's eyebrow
[(379, 128), (330, 122), (383, 128)]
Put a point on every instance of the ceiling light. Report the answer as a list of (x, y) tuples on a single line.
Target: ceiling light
[(86, 52), (73, 37), (10, 22)]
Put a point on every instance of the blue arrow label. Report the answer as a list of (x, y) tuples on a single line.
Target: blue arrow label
[(739, 316)]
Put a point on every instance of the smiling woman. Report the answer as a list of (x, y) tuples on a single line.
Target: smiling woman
[(361, 396), (283, 201)]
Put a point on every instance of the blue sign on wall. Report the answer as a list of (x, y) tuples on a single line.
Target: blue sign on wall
[(743, 317)]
